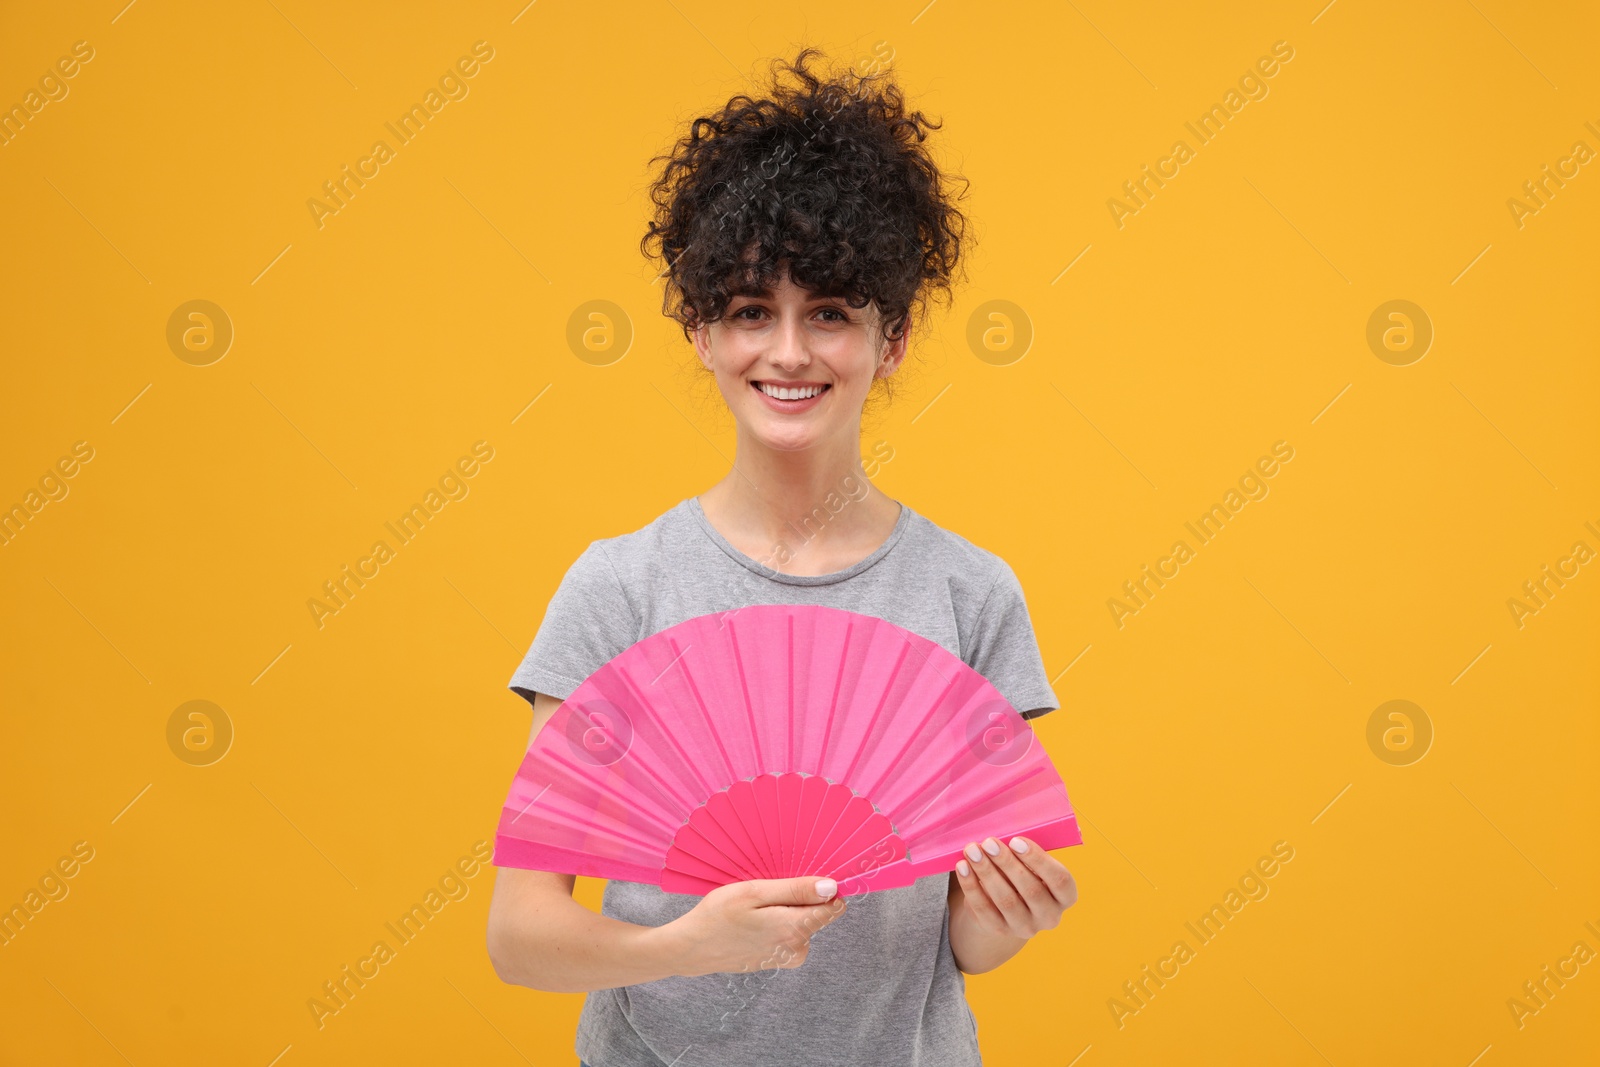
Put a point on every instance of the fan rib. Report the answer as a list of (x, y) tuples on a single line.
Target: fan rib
[(711, 726), (744, 688), (661, 784), (856, 803), (814, 842), (813, 804), (1009, 782), (691, 842), (667, 733), (911, 736), (828, 862), (833, 705), (927, 782), (971, 805), (689, 865), (807, 800), (748, 812), (878, 711), (685, 884), (581, 824), (788, 752), (681, 803), (764, 790), (864, 845), (788, 795), (586, 777), (814, 858), (1001, 787), (719, 809)]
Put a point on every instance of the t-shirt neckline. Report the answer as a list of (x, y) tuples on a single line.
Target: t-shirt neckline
[(692, 504)]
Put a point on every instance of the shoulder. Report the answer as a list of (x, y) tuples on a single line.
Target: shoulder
[(637, 552), (628, 565), (972, 570), (996, 630)]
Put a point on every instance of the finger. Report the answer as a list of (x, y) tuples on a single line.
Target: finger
[(1050, 870), (795, 927), (1018, 894), (1012, 907), (1044, 911), (819, 915), (977, 901), (804, 922), (792, 891)]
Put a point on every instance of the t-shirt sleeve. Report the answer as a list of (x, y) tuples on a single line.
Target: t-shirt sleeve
[(589, 621), (1005, 651)]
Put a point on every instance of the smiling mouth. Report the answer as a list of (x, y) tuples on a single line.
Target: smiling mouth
[(792, 393)]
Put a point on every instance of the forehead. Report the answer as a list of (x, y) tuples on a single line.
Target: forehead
[(747, 285), (744, 278), (782, 288), (744, 283)]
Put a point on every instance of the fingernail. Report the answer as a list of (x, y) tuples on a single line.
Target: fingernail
[(1018, 845), (973, 854), (991, 846), (826, 887), (962, 868)]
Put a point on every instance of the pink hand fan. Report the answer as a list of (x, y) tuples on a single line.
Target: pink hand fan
[(776, 741)]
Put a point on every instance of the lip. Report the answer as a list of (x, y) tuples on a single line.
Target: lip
[(790, 407)]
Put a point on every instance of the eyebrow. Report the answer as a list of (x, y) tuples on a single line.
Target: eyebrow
[(768, 294)]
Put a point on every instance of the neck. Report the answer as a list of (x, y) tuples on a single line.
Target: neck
[(798, 499)]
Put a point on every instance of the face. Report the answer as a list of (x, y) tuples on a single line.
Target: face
[(795, 368)]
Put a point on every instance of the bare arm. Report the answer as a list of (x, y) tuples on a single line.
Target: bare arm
[(542, 938), (1000, 899), (977, 948)]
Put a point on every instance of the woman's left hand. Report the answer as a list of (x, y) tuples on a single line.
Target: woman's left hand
[(1017, 889)]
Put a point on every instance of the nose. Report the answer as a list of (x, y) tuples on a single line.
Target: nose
[(789, 345)]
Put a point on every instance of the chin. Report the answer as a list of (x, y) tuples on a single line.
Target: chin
[(785, 438), (787, 442)]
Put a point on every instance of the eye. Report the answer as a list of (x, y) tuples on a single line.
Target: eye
[(841, 316), (740, 314)]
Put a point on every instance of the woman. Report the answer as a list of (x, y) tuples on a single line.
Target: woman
[(801, 233)]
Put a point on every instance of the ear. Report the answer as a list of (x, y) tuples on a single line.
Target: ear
[(702, 344), (893, 354)]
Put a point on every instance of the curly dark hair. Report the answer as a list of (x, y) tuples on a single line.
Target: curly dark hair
[(828, 177)]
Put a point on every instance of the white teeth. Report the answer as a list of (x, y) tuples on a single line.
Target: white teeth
[(801, 393)]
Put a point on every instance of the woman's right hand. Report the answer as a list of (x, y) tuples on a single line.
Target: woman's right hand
[(753, 925)]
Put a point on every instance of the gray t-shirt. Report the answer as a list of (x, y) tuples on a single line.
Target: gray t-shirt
[(879, 985)]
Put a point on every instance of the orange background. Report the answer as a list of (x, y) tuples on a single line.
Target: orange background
[(369, 354)]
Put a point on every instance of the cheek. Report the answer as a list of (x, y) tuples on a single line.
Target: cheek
[(850, 362), (732, 354), (732, 367)]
